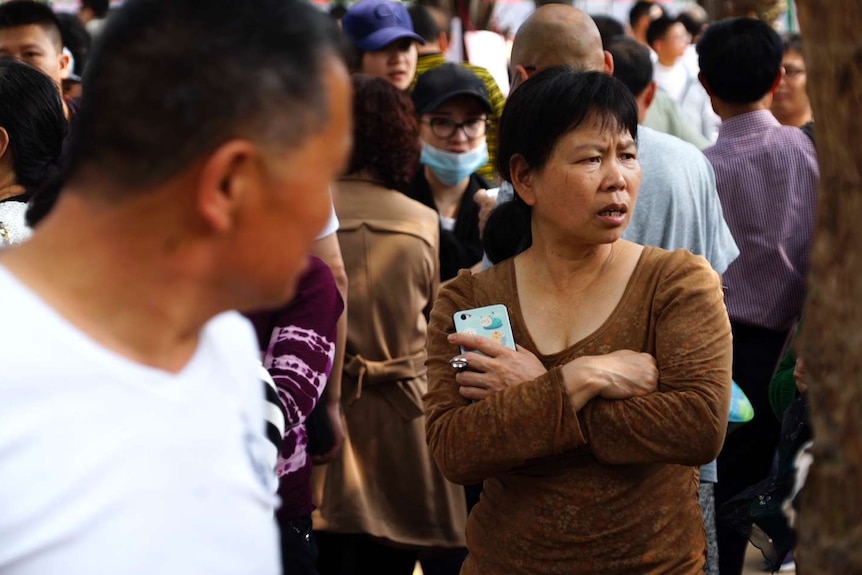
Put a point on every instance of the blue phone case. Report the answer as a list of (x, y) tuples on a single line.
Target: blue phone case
[(491, 321)]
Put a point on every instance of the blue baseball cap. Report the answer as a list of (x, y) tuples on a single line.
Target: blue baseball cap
[(374, 24)]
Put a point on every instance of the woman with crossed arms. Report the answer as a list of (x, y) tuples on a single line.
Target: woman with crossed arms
[(589, 435)]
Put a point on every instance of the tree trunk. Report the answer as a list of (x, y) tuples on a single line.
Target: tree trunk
[(830, 525)]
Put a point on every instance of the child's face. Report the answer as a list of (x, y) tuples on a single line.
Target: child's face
[(33, 45)]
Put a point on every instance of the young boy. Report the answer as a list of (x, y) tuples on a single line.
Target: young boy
[(30, 32)]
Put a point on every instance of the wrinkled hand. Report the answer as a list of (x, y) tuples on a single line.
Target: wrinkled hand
[(799, 375), (499, 368), (621, 374), (486, 204), (333, 410)]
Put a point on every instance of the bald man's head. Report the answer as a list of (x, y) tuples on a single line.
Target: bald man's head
[(558, 35)]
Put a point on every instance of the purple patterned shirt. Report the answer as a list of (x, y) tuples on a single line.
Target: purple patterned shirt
[(766, 175), (298, 343)]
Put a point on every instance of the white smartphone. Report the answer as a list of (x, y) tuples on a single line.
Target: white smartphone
[(491, 321)]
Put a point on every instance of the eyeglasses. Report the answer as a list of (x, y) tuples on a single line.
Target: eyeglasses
[(445, 128), (791, 72)]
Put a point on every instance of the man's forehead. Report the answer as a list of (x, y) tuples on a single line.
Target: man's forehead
[(30, 35)]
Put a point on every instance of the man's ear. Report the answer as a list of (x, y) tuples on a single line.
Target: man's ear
[(443, 41), (4, 142), (649, 95), (522, 178), (609, 63), (703, 83), (777, 81), (519, 76), (65, 64), (227, 180)]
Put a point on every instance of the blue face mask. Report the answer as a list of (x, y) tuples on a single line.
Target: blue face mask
[(450, 167)]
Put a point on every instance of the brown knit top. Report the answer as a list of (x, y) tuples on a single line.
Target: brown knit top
[(611, 489)]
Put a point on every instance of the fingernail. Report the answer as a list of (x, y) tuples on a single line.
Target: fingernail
[(451, 337)]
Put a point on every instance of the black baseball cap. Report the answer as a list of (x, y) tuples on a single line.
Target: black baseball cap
[(436, 86)]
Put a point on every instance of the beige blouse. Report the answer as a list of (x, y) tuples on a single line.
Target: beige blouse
[(384, 482)]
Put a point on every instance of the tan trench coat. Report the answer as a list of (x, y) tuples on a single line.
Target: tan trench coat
[(385, 483)]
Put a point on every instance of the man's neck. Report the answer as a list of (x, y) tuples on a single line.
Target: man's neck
[(137, 298), (727, 110), (429, 49), (667, 61), (8, 187), (799, 119)]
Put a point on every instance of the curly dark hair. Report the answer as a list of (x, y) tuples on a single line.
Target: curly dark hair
[(385, 132)]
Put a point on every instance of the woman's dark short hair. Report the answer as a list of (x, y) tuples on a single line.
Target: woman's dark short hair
[(537, 115), (740, 59), (32, 115), (385, 132), (553, 103)]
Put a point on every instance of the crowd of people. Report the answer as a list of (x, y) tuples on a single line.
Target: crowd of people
[(235, 237)]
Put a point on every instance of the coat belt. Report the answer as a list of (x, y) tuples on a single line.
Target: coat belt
[(370, 372)]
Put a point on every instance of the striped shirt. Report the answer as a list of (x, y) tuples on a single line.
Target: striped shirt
[(766, 175), (275, 415), (428, 62)]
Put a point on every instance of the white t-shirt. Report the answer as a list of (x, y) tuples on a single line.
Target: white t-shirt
[(681, 84), (671, 79), (110, 467), (331, 224)]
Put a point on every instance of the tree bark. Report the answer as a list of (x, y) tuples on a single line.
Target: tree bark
[(830, 524)]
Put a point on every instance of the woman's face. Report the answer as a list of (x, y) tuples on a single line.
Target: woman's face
[(465, 112), (395, 63), (791, 99), (587, 189)]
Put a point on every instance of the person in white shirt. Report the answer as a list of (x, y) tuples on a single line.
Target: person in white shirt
[(132, 437), (669, 39)]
